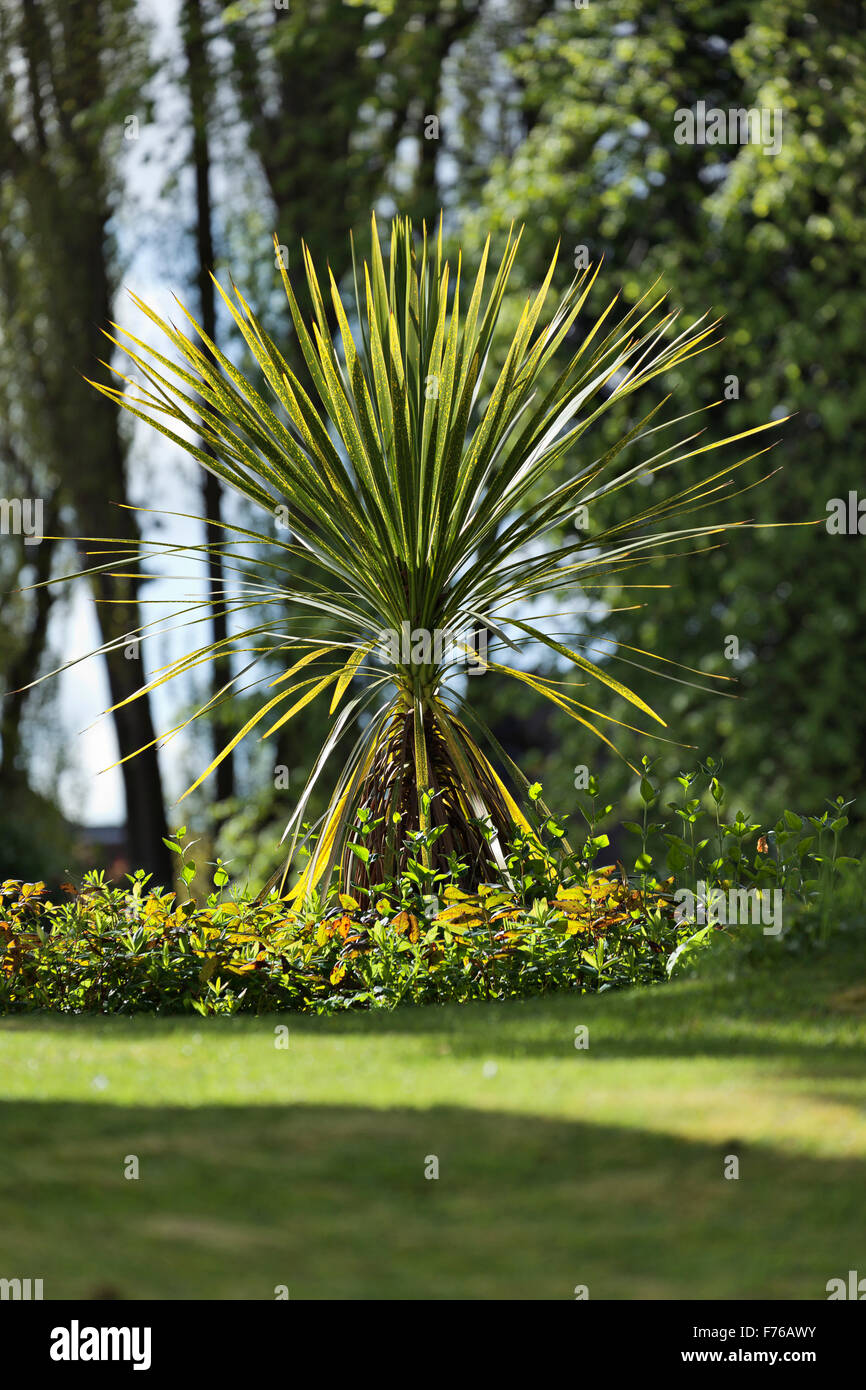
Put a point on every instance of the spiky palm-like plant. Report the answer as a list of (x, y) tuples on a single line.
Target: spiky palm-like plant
[(416, 487)]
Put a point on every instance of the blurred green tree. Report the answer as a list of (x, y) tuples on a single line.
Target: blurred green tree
[(70, 92), (777, 243)]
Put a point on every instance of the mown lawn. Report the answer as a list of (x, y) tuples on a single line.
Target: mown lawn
[(304, 1167)]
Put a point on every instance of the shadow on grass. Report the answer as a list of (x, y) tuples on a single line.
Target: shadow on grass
[(332, 1202), (787, 1014)]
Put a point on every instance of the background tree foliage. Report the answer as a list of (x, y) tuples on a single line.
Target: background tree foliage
[(775, 243), (301, 120), (67, 80)]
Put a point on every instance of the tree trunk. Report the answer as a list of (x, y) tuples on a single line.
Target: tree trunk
[(59, 114), (200, 83)]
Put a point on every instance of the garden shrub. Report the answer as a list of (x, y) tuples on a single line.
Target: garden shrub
[(554, 919)]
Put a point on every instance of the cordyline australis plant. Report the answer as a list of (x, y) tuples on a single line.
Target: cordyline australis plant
[(417, 488)]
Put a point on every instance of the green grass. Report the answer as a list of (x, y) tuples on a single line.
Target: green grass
[(558, 1167)]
